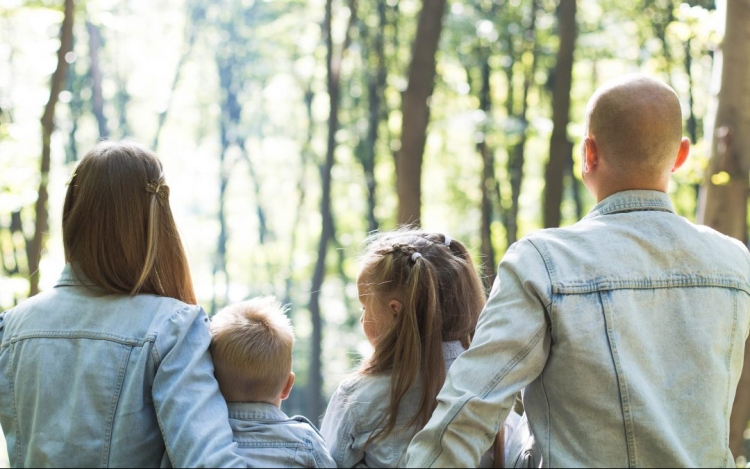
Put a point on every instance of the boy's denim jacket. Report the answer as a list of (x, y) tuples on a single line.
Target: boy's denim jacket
[(355, 412), (627, 331), (92, 379), (267, 437)]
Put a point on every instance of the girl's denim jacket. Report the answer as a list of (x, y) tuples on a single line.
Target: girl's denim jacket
[(627, 331), (355, 412), (92, 379)]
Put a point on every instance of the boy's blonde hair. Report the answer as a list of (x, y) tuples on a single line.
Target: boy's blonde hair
[(251, 346)]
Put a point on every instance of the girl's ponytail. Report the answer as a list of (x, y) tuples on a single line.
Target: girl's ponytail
[(441, 296)]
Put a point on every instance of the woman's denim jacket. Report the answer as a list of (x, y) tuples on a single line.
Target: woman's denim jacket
[(355, 412), (91, 379), (628, 332)]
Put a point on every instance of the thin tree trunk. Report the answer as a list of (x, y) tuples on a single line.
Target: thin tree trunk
[(416, 111), (517, 156), (97, 98), (376, 82), (488, 182), (41, 227), (333, 65), (724, 197), (560, 147), (194, 15), (302, 191)]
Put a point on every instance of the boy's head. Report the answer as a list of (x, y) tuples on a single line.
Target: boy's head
[(251, 346), (633, 136)]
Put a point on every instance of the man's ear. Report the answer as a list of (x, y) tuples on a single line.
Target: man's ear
[(288, 387), (396, 307), (682, 155), (590, 155)]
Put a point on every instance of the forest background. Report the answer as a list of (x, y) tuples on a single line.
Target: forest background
[(282, 126)]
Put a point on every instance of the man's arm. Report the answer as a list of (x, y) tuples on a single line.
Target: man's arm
[(508, 352)]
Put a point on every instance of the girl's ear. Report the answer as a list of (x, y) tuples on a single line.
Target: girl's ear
[(395, 306)]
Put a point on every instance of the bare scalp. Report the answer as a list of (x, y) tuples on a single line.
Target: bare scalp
[(636, 123)]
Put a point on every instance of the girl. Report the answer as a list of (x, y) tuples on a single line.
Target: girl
[(421, 299), (111, 367)]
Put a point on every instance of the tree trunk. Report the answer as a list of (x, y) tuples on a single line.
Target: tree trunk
[(416, 111), (560, 148), (333, 64), (376, 81), (97, 99), (488, 182), (724, 197), (517, 156), (48, 126), (194, 14)]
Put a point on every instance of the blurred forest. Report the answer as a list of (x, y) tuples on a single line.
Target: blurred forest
[(282, 125)]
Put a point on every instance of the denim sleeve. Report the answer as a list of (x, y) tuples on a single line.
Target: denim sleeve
[(192, 414), (508, 352), (338, 430)]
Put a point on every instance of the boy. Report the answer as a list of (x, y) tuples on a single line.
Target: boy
[(251, 347)]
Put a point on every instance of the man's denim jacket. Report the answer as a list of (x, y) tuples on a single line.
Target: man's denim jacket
[(91, 379), (627, 331), (267, 437)]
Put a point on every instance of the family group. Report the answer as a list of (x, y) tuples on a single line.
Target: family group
[(615, 342)]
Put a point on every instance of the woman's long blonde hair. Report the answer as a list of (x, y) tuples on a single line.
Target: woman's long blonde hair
[(442, 298), (118, 228)]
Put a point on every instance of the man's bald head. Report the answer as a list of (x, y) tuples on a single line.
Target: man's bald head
[(636, 124)]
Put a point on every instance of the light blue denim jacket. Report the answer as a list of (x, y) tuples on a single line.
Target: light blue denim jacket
[(267, 437), (627, 331), (355, 412), (89, 379)]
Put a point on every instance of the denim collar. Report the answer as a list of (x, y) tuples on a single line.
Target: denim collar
[(73, 277), (255, 411), (632, 201)]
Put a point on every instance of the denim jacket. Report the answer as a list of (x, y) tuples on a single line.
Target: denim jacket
[(92, 379), (268, 438), (627, 331), (354, 414)]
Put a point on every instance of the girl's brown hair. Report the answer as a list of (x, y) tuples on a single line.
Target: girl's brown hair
[(118, 228), (442, 297)]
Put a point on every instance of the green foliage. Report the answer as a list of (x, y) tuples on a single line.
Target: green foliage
[(252, 86)]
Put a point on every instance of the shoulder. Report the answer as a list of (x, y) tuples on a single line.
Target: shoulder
[(360, 389)]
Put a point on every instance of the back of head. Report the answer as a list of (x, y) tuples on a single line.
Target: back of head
[(252, 345), (636, 123), (118, 228), (442, 297)]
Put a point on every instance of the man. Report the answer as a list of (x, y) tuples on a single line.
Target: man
[(627, 329)]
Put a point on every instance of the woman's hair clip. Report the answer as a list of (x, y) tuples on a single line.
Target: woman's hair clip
[(415, 256), (448, 240), (159, 189), (70, 178)]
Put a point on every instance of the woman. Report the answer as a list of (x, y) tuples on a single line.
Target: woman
[(110, 367)]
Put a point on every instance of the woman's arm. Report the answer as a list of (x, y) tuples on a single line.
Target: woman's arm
[(192, 414)]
